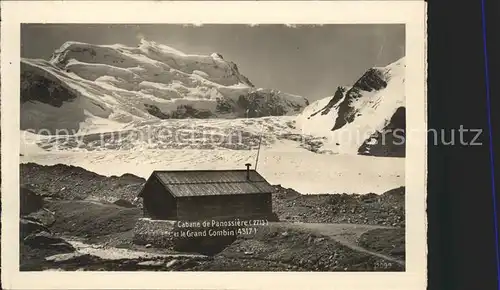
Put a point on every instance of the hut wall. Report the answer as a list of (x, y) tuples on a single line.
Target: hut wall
[(157, 202), (207, 207)]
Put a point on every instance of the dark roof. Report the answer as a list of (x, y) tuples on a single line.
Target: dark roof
[(213, 182)]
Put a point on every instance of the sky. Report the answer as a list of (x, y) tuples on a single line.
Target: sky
[(310, 61)]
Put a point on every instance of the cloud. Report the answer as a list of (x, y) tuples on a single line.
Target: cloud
[(140, 36), (300, 25), (192, 25)]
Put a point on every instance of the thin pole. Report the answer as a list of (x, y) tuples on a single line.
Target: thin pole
[(258, 150)]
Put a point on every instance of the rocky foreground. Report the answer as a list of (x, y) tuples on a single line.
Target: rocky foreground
[(73, 219)]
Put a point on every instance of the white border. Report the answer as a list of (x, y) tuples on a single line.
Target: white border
[(411, 13)]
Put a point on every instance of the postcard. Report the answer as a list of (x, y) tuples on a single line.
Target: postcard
[(213, 145)]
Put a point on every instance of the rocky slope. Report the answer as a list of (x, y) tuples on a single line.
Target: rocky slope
[(387, 209), (390, 140), (114, 84)]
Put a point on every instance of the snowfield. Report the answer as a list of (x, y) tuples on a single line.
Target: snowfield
[(114, 109), (284, 164)]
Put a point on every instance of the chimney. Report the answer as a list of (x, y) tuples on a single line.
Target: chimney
[(248, 170)]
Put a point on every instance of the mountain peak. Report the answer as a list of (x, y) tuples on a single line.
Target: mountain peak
[(216, 55), (362, 111), (147, 45)]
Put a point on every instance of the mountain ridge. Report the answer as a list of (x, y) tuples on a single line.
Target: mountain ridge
[(151, 81)]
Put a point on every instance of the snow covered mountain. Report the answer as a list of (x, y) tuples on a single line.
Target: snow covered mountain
[(86, 85), (367, 118), (110, 97)]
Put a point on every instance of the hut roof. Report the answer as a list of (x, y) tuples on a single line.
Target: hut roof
[(213, 182)]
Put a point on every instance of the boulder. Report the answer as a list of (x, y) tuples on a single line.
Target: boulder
[(29, 201), (28, 226), (44, 240), (45, 217), (123, 203), (69, 257)]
